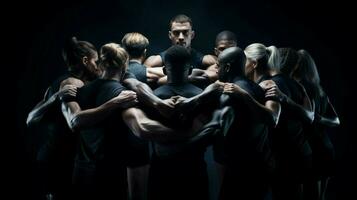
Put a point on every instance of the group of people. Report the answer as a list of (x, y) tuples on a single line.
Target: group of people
[(121, 125)]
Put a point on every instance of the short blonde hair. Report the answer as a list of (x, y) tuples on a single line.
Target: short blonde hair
[(114, 56), (135, 44)]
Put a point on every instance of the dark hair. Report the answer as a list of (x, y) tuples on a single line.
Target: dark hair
[(289, 58), (74, 50), (226, 35), (181, 18), (307, 71), (177, 58)]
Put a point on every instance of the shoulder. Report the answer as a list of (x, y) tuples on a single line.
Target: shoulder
[(209, 60), (72, 81), (154, 61)]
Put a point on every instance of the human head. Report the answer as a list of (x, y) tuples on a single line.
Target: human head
[(289, 58), (231, 64), (306, 68), (181, 31), (113, 57), (177, 60), (135, 44), (261, 58), (224, 40), (81, 57)]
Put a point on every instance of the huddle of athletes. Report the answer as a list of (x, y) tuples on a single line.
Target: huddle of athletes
[(119, 125)]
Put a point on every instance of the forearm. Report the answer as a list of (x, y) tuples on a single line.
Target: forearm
[(146, 128), (144, 92), (40, 109), (331, 122)]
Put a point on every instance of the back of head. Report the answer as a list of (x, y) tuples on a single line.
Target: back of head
[(135, 44), (177, 58), (306, 68), (181, 18), (113, 56), (289, 59), (231, 63), (266, 57), (226, 35), (74, 50)]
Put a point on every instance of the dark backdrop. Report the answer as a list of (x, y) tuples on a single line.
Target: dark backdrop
[(35, 33)]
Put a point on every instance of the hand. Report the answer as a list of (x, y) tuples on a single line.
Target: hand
[(274, 93), (267, 84), (231, 88), (125, 99), (67, 93)]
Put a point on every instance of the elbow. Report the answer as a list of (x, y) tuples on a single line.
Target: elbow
[(31, 120), (310, 117), (74, 124)]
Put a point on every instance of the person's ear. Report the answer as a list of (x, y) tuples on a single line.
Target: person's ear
[(254, 64), (192, 34), (164, 70), (85, 60), (216, 51), (170, 35)]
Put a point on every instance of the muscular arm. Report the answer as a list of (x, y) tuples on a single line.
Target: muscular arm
[(77, 118), (147, 96), (153, 61), (270, 112), (211, 93), (40, 109), (146, 128)]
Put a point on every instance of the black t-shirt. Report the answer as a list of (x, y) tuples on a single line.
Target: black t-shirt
[(56, 139), (106, 139), (138, 70), (246, 144), (185, 90), (196, 59), (289, 141)]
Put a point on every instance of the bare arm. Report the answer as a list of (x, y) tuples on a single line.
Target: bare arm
[(305, 111), (269, 112), (330, 118), (147, 96), (40, 109), (209, 60), (77, 118), (44, 105), (211, 93), (153, 61), (146, 128)]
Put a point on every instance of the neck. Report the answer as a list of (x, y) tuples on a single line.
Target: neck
[(112, 74), (177, 79), (138, 60)]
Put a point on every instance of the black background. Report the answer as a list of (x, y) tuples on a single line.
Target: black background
[(34, 33)]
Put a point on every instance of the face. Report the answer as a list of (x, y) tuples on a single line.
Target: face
[(222, 45), (223, 71), (181, 34), (91, 65), (249, 67)]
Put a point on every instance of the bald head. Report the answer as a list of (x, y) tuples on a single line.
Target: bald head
[(231, 63)]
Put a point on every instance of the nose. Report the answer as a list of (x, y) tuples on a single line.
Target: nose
[(181, 37)]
